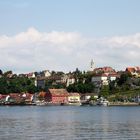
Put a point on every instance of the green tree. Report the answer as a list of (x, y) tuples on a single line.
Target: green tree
[(17, 85), (3, 85), (104, 91), (7, 73), (123, 78), (81, 88), (1, 72)]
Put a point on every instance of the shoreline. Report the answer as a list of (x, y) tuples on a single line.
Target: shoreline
[(123, 104), (110, 104)]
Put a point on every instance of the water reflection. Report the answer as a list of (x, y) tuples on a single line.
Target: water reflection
[(69, 123)]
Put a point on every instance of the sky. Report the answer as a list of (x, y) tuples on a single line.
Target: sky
[(63, 35)]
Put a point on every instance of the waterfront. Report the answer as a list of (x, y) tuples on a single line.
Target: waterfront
[(69, 123)]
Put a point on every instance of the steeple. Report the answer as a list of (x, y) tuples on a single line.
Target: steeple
[(92, 65)]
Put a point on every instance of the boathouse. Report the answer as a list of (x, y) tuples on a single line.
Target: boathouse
[(57, 96)]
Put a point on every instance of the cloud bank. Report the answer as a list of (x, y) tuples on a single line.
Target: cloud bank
[(34, 51)]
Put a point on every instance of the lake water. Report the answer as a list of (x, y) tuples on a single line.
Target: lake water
[(69, 123)]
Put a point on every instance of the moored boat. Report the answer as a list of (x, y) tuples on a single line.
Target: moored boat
[(102, 102)]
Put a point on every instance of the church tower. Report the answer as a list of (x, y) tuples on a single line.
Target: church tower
[(92, 65)]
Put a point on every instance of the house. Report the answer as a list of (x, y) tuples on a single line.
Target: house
[(31, 75), (130, 69), (101, 79), (104, 79), (64, 78), (40, 82), (113, 76), (74, 98), (60, 79), (103, 76), (57, 96), (47, 73), (43, 74), (70, 81), (135, 71), (13, 98), (29, 98), (105, 70)]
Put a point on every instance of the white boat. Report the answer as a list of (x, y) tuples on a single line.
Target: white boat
[(75, 104), (40, 103), (102, 102)]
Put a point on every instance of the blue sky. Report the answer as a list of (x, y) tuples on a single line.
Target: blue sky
[(107, 26), (91, 17)]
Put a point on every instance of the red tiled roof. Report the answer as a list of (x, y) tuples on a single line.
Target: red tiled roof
[(15, 95), (137, 68), (114, 75), (42, 94), (133, 69), (130, 69), (104, 70), (57, 92)]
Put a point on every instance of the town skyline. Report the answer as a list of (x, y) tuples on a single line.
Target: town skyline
[(39, 35), (92, 68)]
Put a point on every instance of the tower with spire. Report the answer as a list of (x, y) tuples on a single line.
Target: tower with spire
[(92, 65)]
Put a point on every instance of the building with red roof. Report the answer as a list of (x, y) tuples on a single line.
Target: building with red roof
[(106, 70), (57, 96), (135, 71)]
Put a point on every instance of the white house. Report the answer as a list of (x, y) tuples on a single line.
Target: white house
[(64, 78), (74, 98), (47, 73), (31, 75), (100, 79), (112, 77), (104, 79), (70, 81)]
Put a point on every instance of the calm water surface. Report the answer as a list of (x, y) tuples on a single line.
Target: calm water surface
[(69, 123)]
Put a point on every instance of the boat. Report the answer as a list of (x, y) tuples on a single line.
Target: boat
[(102, 102), (41, 103), (74, 104)]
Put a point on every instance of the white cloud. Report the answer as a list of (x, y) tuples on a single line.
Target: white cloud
[(33, 50)]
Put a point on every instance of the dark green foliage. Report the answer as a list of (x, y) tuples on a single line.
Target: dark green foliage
[(83, 83), (104, 91), (124, 88), (7, 73), (1, 72), (81, 88), (16, 85), (123, 78), (3, 85), (123, 83), (112, 85)]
